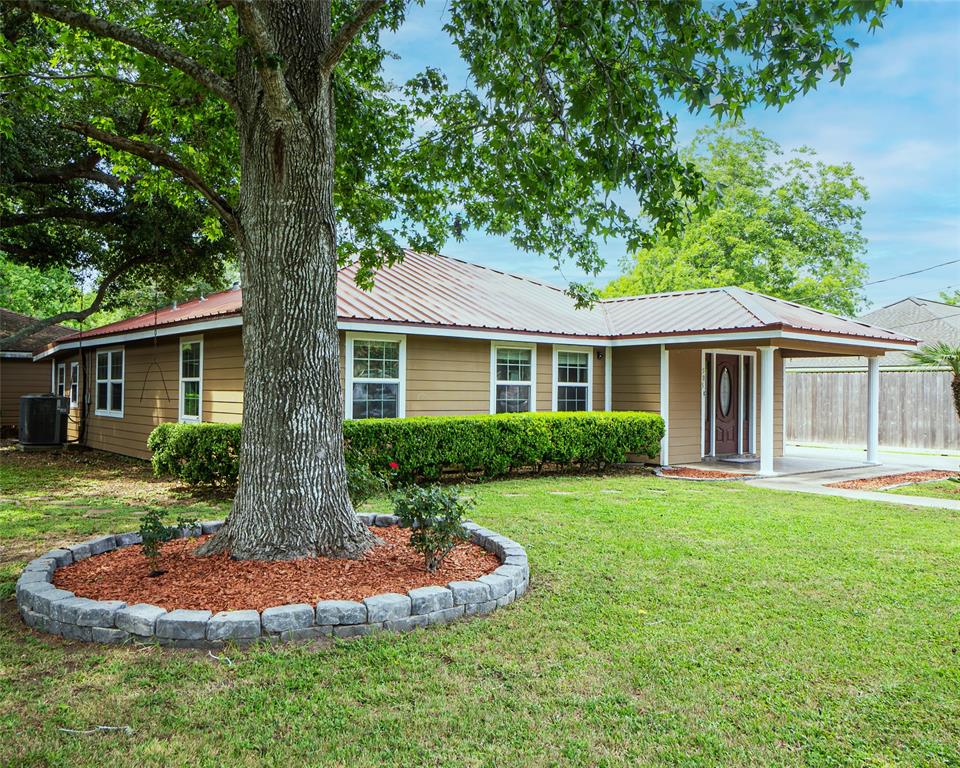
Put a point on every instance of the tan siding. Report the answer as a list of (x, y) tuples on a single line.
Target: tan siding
[(448, 376), (636, 379), (544, 377), (598, 379), (20, 377), (685, 395), (222, 377)]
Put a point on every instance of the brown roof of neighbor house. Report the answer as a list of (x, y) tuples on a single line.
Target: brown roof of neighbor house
[(11, 322), (925, 320), (438, 291)]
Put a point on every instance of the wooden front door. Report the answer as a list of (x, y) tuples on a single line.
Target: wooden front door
[(726, 404)]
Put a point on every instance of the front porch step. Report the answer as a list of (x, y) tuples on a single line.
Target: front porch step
[(742, 458)]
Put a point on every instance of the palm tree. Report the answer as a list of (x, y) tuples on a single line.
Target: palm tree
[(942, 355)]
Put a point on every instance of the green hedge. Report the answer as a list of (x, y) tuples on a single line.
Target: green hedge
[(427, 446)]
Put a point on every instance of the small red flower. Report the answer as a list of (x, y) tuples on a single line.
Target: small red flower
[(394, 465)]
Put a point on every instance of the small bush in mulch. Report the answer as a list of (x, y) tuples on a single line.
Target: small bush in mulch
[(153, 533), (889, 481), (217, 583), (435, 516)]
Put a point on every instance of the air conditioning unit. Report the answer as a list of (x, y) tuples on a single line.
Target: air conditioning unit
[(43, 419)]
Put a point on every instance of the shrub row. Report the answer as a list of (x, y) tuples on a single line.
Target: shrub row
[(425, 447)]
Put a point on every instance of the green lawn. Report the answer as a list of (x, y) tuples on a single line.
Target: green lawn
[(938, 489), (667, 624)]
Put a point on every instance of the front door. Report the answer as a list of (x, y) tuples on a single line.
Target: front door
[(727, 404)]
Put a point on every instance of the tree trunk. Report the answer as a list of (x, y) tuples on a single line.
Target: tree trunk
[(292, 497), (955, 386)]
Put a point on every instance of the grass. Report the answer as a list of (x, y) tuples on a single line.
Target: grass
[(668, 624), (937, 489)]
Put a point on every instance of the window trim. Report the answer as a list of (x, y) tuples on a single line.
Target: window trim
[(557, 349), (60, 379), (114, 414), (494, 381), (185, 419), (75, 384), (349, 380)]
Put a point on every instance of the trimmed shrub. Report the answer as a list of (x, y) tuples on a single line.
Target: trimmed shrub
[(424, 447), (436, 515)]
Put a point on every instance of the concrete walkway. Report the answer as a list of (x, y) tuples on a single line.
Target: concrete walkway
[(912, 459), (815, 482)]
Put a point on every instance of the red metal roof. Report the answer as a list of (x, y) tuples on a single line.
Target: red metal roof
[(439, 291)]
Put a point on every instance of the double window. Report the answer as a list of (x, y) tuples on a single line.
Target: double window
[(74, 385), (514, 369), (572, 377), (375, 376), (110, 383), (191, 379)]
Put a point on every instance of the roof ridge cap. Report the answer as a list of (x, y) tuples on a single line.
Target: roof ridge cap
[(762, 314), (660, 294)]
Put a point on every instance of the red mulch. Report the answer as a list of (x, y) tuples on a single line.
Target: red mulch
[(885, 481), (217, 583), (704, 474)]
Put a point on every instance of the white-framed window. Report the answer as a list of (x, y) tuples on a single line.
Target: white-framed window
[(109, 383), (513, 378), (60, 379), (191, 378), (74, 384), (375, 370), (572, 379)]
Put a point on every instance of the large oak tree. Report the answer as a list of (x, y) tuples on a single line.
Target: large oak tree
[(280, 117)]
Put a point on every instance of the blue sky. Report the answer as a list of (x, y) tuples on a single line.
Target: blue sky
[(897, 119)]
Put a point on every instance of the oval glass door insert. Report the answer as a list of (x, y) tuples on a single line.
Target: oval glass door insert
[(724, 391)]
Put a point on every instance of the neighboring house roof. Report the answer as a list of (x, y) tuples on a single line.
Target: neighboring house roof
[(927, 321), (432, 291), (11, 322)]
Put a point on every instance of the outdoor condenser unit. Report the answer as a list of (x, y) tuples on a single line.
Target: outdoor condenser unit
[(43, 419)]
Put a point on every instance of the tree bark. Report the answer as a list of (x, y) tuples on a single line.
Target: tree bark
[(292, 498)]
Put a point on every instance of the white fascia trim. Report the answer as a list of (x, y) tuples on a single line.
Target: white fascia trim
[(348, 379), (184, 329), (16, 355), (184, 340), (466, 333), (555, 383), (494, 344)]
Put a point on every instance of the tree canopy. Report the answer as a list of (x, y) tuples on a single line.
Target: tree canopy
[(784, 225)]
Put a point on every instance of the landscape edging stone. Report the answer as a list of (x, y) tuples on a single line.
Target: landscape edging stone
[(45, 608)]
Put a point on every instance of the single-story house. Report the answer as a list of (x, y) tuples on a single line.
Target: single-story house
[(438, 335), (916, 404), (19, 374)]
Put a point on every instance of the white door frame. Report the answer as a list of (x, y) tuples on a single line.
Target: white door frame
[(706, 386)]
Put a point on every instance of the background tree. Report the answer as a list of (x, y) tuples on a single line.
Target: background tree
[(942, 355), (280, 117), (950, 297), (788, 227)]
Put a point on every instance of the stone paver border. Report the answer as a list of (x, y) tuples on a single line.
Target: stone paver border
[(45, 608)]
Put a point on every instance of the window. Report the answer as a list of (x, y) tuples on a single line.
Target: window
[(514, 372), (375, 376), (191, 379), (60, 380), (110, 383), (74, 385), (572, 376)]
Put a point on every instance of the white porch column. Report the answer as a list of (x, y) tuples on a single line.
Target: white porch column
[(873, 410), (665, 404), (766, 410)]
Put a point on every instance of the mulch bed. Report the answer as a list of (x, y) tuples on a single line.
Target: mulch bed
[(701, 474), (217, 583), (887, 481)]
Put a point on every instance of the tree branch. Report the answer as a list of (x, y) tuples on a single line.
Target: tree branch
[(76, 315), (280, 103), (57, 212), (156, 155), (348, 30), (169, 55)]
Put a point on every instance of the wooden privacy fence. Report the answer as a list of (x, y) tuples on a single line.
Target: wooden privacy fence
[(916, 408)]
